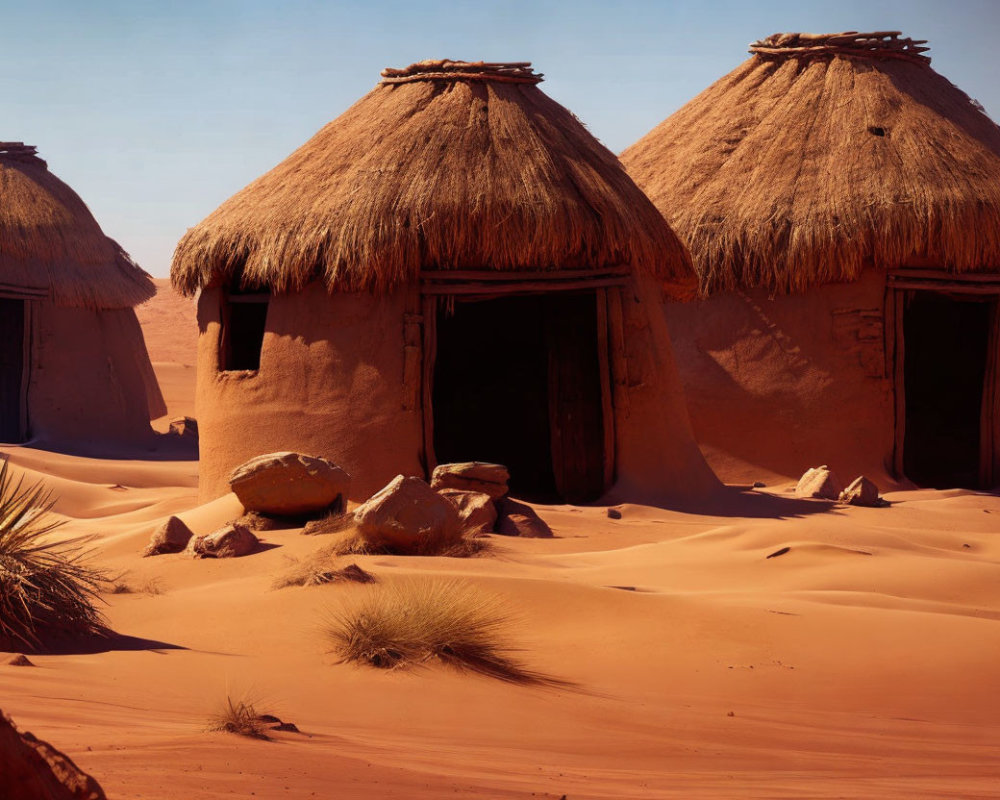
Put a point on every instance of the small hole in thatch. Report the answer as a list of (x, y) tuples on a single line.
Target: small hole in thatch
[(876, 131)]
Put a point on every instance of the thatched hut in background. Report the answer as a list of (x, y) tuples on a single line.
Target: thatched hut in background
[(841, 201), (453, 269), (73, 365)]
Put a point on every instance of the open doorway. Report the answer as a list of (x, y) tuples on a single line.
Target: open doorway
[(11, 370), (517, 381), (947, 344)]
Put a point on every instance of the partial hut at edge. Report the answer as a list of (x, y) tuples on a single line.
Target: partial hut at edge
[(74, 371), (453, 269), (841, 201)]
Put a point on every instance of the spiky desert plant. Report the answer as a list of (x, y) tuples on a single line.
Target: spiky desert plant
[(414, 621), (47, 588)]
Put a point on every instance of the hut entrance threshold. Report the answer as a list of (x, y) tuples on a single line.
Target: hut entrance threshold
[(947, 380), (522, 379)]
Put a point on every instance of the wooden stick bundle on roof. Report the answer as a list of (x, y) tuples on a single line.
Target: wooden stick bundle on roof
[(444, 165)]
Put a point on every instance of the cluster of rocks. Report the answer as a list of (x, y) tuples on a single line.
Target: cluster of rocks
[(408, 515), (822, 482), (31, 769), (271, 487), (462, 500)]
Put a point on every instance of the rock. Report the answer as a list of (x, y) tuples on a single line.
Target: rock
[(861, 492), (472, 476), (289, 484), (759, 484), (614, 513), (520, 519), (18, 660), (476, 510), (171, 537), (184, 427), (31, 769), (408, 516), (819, 482), (230, 541)]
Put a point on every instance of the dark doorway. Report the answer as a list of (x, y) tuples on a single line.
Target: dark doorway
[(946, 345), (517, 381), (11, 369)]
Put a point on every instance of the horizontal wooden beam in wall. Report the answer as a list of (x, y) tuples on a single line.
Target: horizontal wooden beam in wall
[(947, 286), (521, 287), (940, 275), (438, 275), (9, 292)]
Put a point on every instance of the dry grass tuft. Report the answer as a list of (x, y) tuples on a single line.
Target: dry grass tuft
[(413, 622), (332, 523), (354, 544), (240, 717), (47, 590), (318, 569), (150, 587)]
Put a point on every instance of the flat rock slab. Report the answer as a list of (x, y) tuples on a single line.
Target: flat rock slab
[(819, 482), (408, 517), (477, 511), (172, 536), (472, 476), (230, 541), (289, 484)]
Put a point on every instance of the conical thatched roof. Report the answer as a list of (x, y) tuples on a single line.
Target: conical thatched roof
[(443, 165), (820, 156), (50, 244)]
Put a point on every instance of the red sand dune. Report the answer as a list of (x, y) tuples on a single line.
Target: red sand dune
[(861, 663)]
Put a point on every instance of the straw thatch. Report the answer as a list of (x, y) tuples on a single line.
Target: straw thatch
[(52, 247), (821, 156), (443, 165)]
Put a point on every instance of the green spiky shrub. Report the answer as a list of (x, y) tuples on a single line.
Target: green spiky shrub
[(47, 590)]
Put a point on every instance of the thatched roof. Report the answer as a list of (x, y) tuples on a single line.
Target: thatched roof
[(821, 156), (443, 165), (50, 244)]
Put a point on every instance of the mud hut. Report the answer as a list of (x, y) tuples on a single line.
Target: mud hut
[(453, 269), (73, 365), (841, 201)]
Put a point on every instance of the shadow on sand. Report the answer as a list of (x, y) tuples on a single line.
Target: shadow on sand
[(109, 642), (744, 501)]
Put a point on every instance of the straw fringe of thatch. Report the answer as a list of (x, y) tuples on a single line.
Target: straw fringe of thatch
[(434, 174), (791, 172), (52, 247)]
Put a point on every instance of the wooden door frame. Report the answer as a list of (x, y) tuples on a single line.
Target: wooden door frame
[(446, 286), (25, 297), (901, 284)]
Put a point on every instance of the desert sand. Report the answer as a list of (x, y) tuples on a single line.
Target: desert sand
[(862, 662)]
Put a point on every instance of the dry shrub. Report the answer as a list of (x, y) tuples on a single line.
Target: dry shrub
[(47, 589), (318, 569), (331, 523), (416, 621), (354, 544), (120, 585), (240, 717)]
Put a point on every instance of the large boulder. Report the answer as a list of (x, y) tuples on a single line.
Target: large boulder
[(472, 476), (184, 427), (407, 517), (861, 492), (477, 511), (229, 541), (289, 484), (171, 537), (31, 769), (819, 482), (520, 519)]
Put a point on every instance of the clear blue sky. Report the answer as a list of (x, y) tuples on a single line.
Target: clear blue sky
[(156, 112)]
